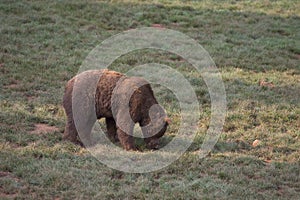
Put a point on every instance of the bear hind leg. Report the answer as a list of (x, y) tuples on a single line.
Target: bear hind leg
[(70, 133)]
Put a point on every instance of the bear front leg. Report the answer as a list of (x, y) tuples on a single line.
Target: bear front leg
[(111, 129), (127, 141)]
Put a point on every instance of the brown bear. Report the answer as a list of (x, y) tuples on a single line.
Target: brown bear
[(121, 100)]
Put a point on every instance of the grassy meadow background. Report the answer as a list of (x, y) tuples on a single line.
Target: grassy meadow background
[(256, 46)]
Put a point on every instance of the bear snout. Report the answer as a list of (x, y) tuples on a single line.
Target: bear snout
[(153, 144)]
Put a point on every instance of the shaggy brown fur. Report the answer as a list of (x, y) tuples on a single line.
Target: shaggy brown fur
[(142, 101)]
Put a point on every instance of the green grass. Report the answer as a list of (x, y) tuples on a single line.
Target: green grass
[(42, 45)]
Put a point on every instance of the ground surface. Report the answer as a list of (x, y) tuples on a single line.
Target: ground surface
[(256, 46)]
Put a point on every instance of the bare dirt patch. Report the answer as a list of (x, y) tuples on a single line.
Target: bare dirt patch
[(13, 84), (43, 128), (4, 193), (267, 84), (8, 175), (8, 196)]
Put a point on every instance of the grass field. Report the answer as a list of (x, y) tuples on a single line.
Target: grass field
[(256, 46)]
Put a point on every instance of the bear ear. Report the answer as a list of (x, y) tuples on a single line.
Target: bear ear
[(168, 120)]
